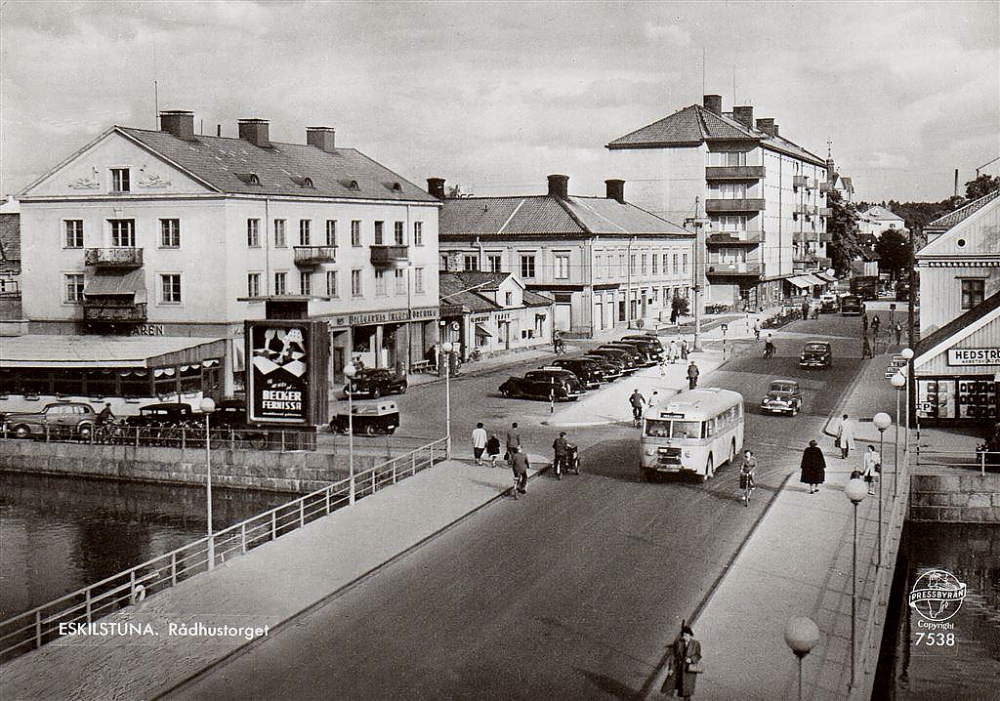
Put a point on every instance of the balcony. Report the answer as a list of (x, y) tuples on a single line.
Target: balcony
[(825, 211), (389, 256), (803, 257), (825, 187), (801, 181), (803, 210), (805, 236), (734, 172), (105, 310), (117, 258), (719, 270), (726, 205), (825, 237), (734, 238), (310, 256)]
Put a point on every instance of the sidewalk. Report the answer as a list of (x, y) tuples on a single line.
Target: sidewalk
[(798, 562), (266, 587)]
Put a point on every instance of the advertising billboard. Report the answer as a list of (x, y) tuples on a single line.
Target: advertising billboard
[(286, 372)]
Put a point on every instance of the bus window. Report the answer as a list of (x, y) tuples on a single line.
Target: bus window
[(687, 429), (657, 429)]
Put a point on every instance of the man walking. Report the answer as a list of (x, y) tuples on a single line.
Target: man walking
[(478, 442), (899, 333), (845, 437), (684, 349), (756, 329), (561, 448), (513, 441), (692, 375), (519, 464), (672, 351)]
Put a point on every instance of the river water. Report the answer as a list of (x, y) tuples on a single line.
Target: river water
[(914, 666), (59, 534)]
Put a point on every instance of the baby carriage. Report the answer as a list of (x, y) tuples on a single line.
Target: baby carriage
[(572, 459)]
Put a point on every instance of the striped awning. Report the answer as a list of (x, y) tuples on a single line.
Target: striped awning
[(800, 281), (814, 280), (127, 283), (826, 278)]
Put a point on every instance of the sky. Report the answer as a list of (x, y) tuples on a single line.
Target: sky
[(495, 96)]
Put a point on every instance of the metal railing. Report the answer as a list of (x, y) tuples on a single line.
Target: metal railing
[(981, 457), (43, 624)]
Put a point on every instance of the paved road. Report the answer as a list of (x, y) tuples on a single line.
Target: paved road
[(572, 592)]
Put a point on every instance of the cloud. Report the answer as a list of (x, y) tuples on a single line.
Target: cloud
[(670, 34)]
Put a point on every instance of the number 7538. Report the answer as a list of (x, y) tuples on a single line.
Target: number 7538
[(936, 639)]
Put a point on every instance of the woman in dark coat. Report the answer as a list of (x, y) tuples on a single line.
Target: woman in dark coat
[(813, 467), (686, 652)]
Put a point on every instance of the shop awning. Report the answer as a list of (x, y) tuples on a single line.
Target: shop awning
[(826, 278), (482, 332), (127, 283), (800, 282), (89, 352), (814, 280)]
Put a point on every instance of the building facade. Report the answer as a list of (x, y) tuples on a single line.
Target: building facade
[(604, 262), (764, 196), (174, 234), (877, 219)]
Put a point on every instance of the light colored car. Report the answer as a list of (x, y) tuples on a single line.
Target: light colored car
[(61, 419)]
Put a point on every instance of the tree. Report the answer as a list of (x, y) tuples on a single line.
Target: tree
[(893, 249), (981, 186), (842, 225)]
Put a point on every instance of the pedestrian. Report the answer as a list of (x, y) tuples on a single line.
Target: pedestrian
[(684, 349), (513, 441), (493, 449), (756, 329), (479, 442), (672, 351), (864, 322), (813, 467), (560, 447), (866, 347), (876, 323), (845, 437), (684, 665), (872, 466), (899, 333), (692, 375), (519, 464), (805, 309)]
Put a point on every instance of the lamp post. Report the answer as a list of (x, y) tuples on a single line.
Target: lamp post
[(801, 635), (446, 348), (207, 406), (856, 490), (882, 422), (898, 381), (907, 354), (350, 370)]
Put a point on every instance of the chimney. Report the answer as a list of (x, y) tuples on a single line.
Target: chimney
[(179, 123), (435, 186), (766, 126), (615, 190), (255, 131), (830, 169), (774, 130), (321, 138), (713, 103), (744, 115), (559, 186)]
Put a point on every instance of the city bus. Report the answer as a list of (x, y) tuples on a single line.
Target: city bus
[(694, 433)]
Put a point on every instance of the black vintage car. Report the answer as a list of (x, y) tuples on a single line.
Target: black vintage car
[(816, 354), (587, 371), (368, 419), (650, 344), (629, 365), (783, 397), (375, 382), (164, 414), (638, 355), (558, 384), (851, 305), (609, 367), (229, 422)]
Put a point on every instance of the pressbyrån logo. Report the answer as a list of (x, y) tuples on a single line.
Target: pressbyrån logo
[(937, 595)]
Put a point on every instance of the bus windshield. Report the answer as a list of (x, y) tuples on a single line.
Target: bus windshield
[(673, 429)]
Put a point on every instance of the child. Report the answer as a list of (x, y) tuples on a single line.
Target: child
[(493, 449)]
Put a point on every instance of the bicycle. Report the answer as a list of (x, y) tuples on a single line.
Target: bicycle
[(637, 416), (747, 485)]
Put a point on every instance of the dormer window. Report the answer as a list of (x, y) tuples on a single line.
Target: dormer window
[(350, 184), (304, 182), (249, 178), (120, 180), (395, 186)]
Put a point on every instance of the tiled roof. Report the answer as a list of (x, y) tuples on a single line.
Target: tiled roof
[(957, 324), (880, 213), (952, 218), (458, 288), (533, 299), (226, 164), (548, 215), (10, 237)]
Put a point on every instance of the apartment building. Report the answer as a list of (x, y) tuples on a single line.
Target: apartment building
[(877, 219), (604, 262), (762, 194), (172, 234)]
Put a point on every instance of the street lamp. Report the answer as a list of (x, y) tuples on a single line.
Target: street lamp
[(801, 635), (207, 406), (350, 370), (882, 422), (446, 348), (898, 381), (856, 490), (907, 354)]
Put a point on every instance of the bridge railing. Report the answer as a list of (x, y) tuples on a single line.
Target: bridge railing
[(981, 458), (75, 611)]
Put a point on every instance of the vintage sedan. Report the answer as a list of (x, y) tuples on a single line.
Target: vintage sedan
[(587, 371), (72, 419), (375, 382), (554, 383), (651, 344), (610, 368), (639, 356), (783, 397), (629, 366), (164, 414), (851, 305), (816, 354)]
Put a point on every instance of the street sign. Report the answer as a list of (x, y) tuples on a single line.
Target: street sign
[(725, 327), (892, 307), (895, 364)]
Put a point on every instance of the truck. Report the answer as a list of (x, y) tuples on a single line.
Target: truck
[(865, 287)]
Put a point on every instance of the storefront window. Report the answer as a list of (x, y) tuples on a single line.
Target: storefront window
[(68, 382), (135, 383), (102, 383), (165, 381), (190, 378), (35, 382)]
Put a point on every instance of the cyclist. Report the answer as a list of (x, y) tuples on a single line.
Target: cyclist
[(637, 401), (748, 475), (105, 416), (768, 347), (561, 447)]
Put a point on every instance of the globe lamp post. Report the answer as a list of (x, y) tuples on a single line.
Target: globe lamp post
[(446, 348), (801, 635), (207, 406), (882, 422), (907, 354), (350, 371), (898, 381), (856, 490)]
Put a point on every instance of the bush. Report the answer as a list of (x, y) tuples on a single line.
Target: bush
[(680, 305)]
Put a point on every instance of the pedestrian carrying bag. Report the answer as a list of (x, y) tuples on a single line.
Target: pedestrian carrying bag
[(696, 668)]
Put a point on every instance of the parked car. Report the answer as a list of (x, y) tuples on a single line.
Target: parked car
[(902, 292), (611, 368), (368, 419), (558, 384), (60, 419), (230, 421), (587, 371), (783, 397), (164, 414), (828, 304), (851, 305), (816, 354), (374, 382), (639, 356), (650, 344), (230, 413), (629, 365)]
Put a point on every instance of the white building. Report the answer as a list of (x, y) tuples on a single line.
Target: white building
[(762, 193), (174, 234), (877, 219)]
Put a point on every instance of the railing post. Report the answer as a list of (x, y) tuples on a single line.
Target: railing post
[(274, 525), (137, 437), (232, 439), (982, 463), (184, 438), (88, 606), (302, 512), (38, 629), (326, 496), (373, 479), (131, 585), (46, 432), (173, 569), (413, 463), (282, 441), (243, 537)]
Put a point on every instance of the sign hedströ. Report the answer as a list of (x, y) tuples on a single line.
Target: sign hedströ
[(974, 356)]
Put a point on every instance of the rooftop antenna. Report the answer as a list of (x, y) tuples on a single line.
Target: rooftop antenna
[(735, 102), (156, 93), (703, 70), (829, 149)]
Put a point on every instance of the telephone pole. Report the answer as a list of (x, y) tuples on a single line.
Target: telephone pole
[(700, 224)]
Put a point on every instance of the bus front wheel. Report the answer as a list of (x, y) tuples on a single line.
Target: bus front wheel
[(709, 469)]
